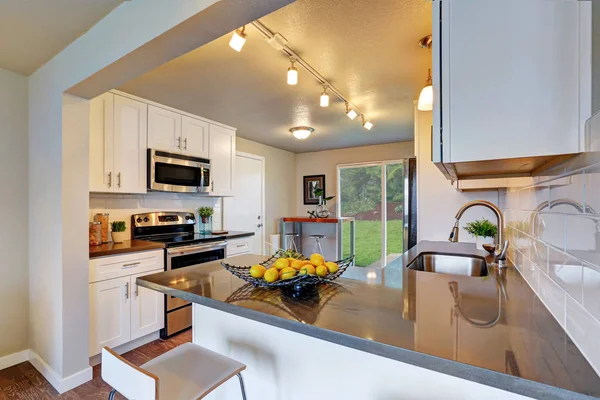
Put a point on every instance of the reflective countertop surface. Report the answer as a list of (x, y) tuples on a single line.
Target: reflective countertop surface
[(489, 329)]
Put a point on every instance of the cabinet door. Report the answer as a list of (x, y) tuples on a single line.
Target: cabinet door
[(195, 137), (101, 143), (109, 313), (130, 138), (147, 309), (164, 130), (222, 158), (504, 99)]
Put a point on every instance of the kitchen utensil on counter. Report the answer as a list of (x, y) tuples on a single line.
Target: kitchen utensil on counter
[(95, 234), (103, 218)]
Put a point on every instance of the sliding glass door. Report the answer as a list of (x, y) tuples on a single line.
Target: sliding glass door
[(374, 194)]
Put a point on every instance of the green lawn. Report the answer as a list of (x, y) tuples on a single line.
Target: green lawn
[(368, 240)]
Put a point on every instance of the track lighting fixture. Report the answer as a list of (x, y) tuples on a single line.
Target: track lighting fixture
[(292, 74), (350, 112), (238, 39), (324, 101), (366, 123)]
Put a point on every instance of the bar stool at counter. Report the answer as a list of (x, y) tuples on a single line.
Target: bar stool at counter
[(290, 241), (186, 372), (317, 239)]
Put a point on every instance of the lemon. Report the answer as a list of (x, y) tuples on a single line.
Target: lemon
[(332, 267), (322, 270), (307, 269), (291, 260), (287, 273), (317, 259), (297, 264), (271, 275), (281, 263), (257, 271)]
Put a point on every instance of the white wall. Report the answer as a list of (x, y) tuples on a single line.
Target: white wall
[(325, 162), (13, 237), (280, 182), (437, 200), (104, 57)]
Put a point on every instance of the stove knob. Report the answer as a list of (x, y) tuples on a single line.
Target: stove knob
[(139, 220), (146, 219)]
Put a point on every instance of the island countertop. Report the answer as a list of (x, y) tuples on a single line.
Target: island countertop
[(332, 220), (413, 317)]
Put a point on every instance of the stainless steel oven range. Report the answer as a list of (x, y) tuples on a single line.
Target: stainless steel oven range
[(184, 247)]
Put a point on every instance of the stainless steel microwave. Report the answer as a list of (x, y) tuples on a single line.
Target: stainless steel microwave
[(171, 172)]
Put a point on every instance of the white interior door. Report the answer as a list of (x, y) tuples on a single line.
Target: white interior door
[(245, 210)]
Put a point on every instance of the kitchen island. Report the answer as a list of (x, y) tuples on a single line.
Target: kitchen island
[(385, 334)]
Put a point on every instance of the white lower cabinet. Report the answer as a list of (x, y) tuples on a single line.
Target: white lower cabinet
[(120, 310), (147, 309), (109, 314)]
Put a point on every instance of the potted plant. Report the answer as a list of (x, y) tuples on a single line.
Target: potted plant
[(321, 211), (118, 231), (206, 214), (483, 230)]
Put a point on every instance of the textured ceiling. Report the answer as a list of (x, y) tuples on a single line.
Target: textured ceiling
[(367, 49), (34, 31)]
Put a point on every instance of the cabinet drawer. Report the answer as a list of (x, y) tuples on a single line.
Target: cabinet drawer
[(111, 267), (238, 246)]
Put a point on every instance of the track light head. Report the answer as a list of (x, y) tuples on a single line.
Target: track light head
[(292, 74), (350, 112), (238, 39), (366, 123), (324, 100)]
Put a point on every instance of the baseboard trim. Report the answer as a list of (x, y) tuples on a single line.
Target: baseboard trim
[(14, 359), (60, 384)]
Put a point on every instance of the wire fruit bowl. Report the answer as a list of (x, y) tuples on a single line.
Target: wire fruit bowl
[(298, 281)]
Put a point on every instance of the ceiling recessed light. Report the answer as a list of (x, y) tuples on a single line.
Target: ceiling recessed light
[(238, 39), (301, 132), (292, 74)]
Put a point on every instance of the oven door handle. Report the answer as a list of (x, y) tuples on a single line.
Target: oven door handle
[(197, 248)]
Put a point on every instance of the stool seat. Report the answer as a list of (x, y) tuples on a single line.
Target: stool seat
[(191, 372), (292, 234), (318, 237)]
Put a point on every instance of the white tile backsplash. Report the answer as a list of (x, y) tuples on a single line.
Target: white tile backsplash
[(558, 252), (122, 207)]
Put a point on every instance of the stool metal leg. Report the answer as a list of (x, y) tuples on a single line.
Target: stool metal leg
[(111, 395), (318, 246), (242, 385)]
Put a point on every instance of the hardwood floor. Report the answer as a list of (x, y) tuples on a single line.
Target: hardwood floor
[(24, 382)]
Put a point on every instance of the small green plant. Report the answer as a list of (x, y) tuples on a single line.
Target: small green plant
[(482, 227), (118, 226), (205, 212), (321, 193)]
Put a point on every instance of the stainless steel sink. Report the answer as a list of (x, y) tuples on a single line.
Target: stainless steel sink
[(450, 264)]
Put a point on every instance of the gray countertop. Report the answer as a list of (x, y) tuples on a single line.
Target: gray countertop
[(412, 317)]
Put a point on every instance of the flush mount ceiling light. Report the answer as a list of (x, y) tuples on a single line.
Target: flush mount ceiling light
[(301, 132), (292, 74), (426, 96), (238, 39), (366, 123), (350, 112), (324, 100)]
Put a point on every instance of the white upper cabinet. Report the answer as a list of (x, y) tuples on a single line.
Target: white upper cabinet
[(511, 78), (164, 130), (130, 138), (195, 137), (222, 158), (101, 143)]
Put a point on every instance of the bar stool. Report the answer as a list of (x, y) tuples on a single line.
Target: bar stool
[(317, 238), (187, 372), (290, 241)]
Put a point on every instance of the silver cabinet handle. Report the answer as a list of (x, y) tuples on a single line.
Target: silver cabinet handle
[(119, 179), (241, 245), (127, 290), (109, 180), (185, 143), (212, 186), (137, 290), (133, 264), (179, 142), (259, 225)]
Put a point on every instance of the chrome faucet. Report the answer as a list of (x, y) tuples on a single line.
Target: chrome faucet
[(500, 217)]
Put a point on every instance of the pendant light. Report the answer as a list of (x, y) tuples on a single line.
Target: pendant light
[(238, 39), (324, 100), (292, 74), (426, 96), (301, 132)]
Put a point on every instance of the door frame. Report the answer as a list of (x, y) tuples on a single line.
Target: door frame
[(263, 194), (382, 164)]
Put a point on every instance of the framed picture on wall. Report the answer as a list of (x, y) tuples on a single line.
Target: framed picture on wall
[(312, 182)]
